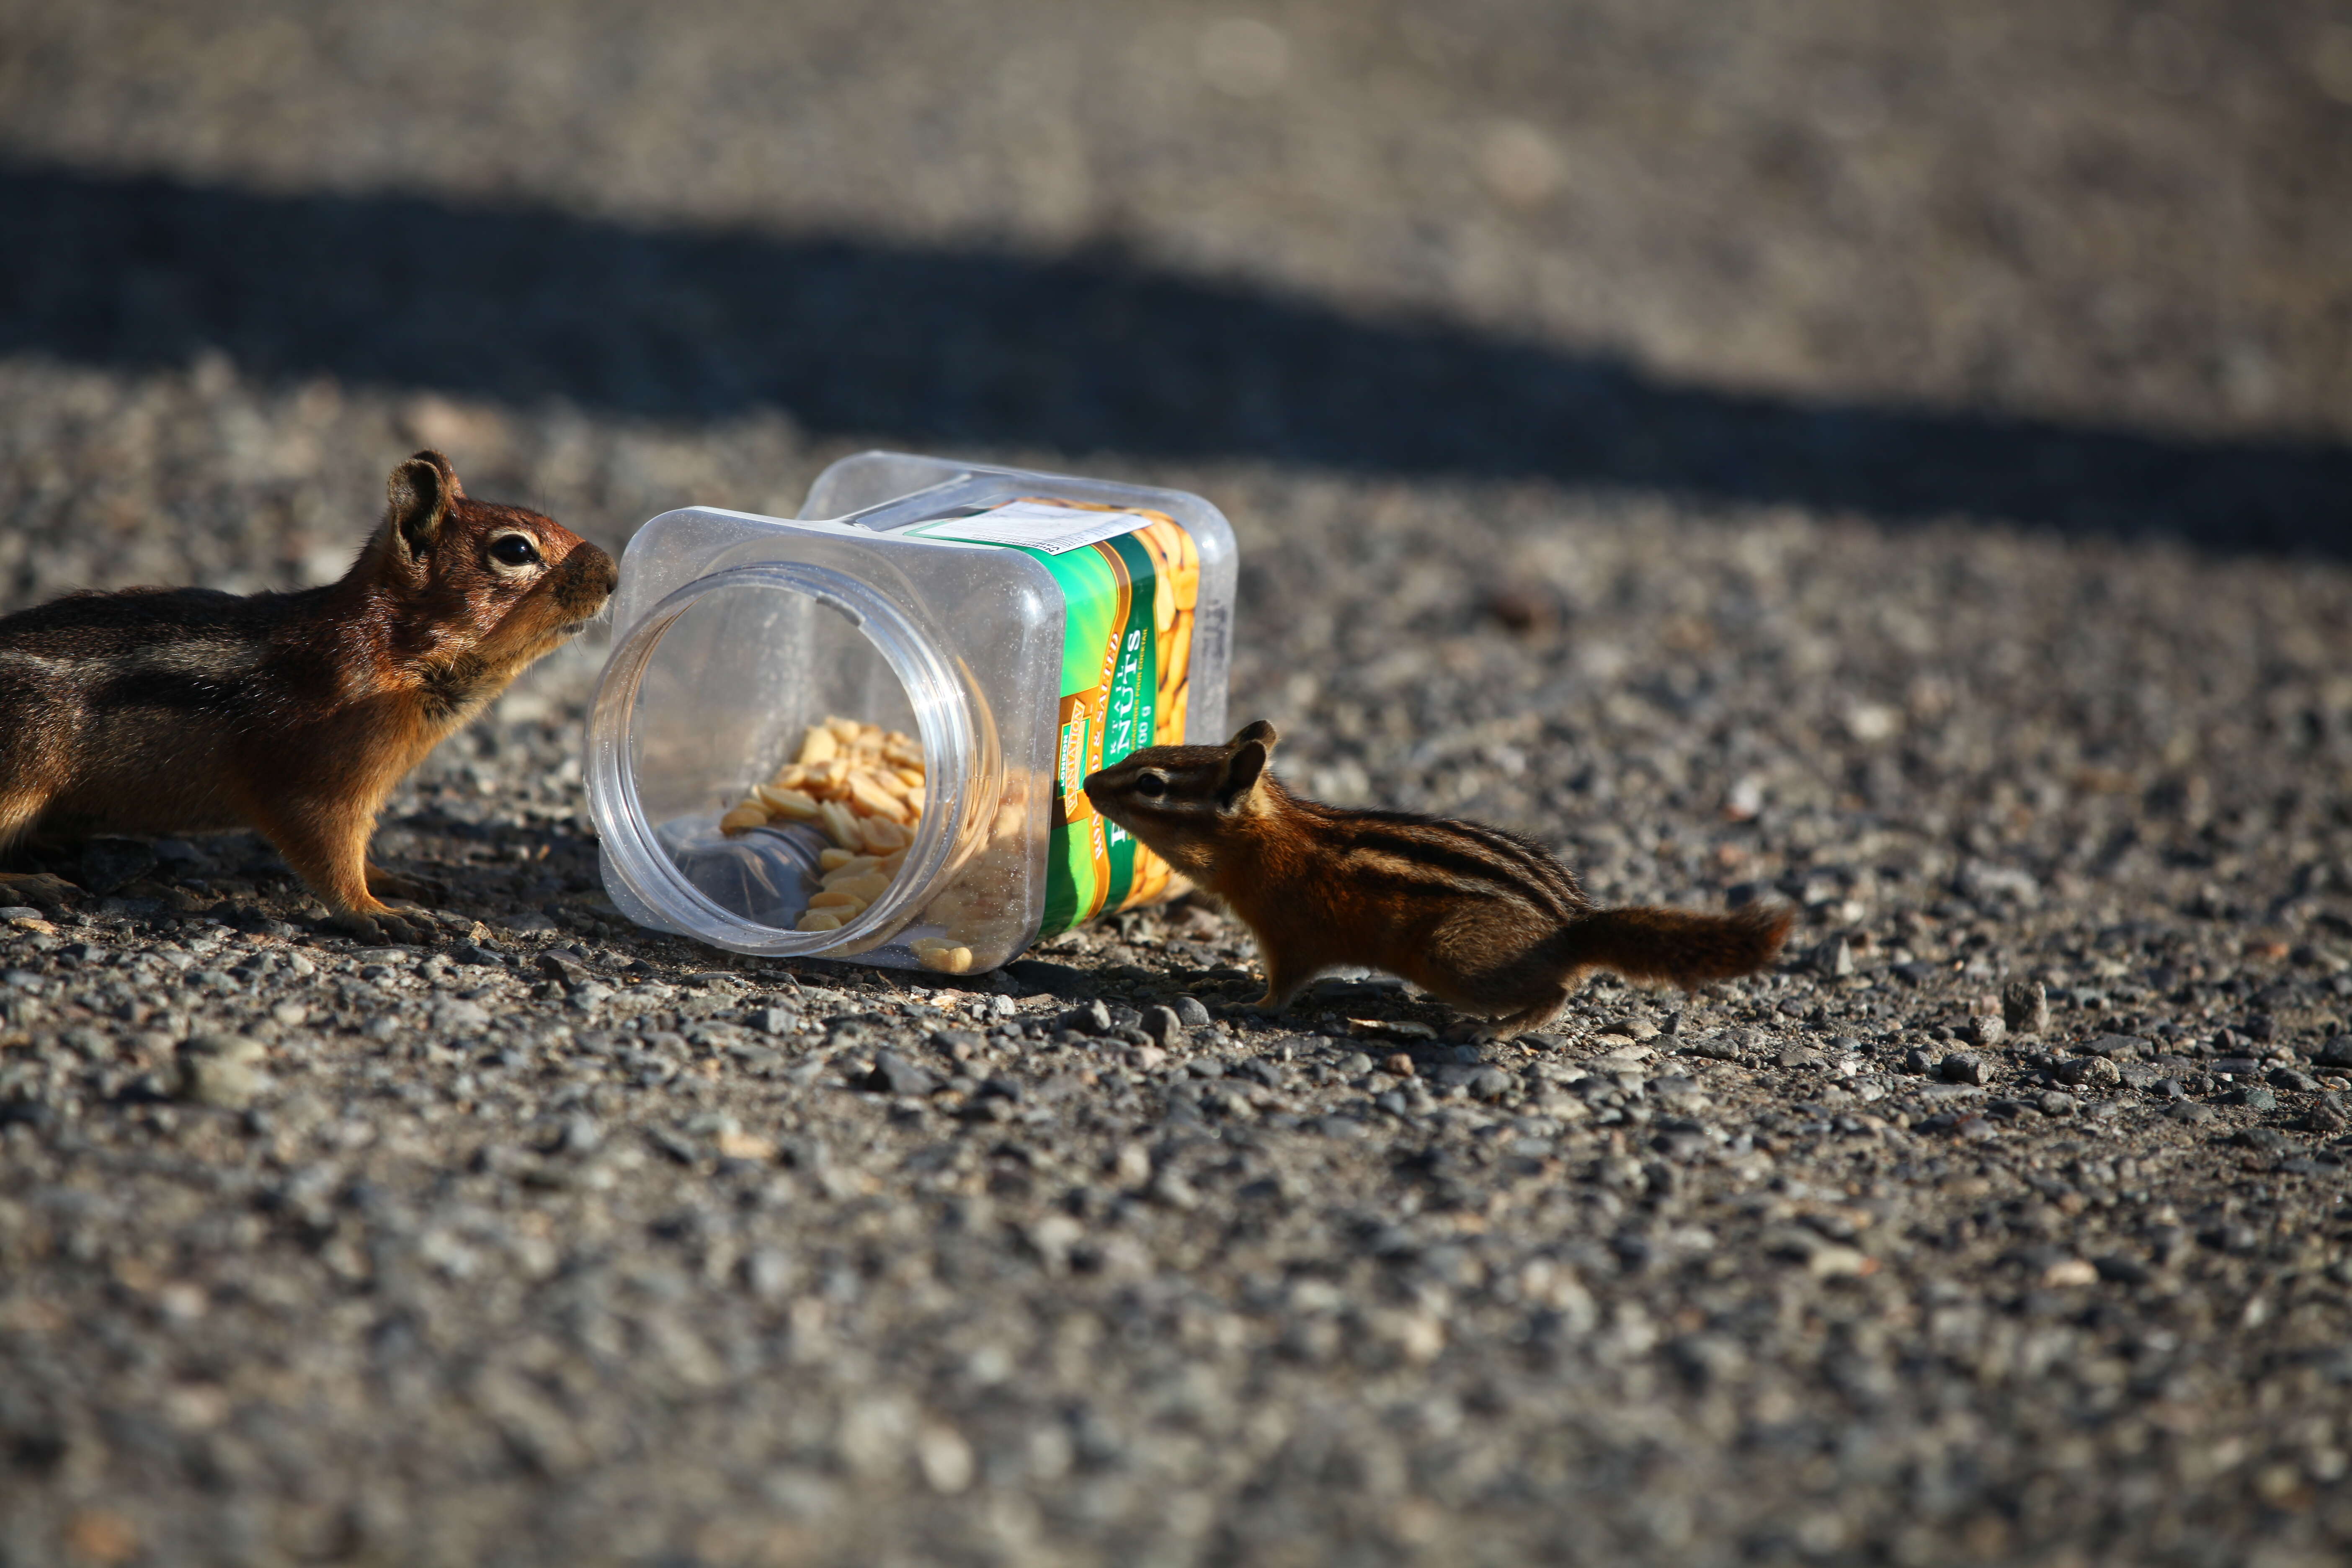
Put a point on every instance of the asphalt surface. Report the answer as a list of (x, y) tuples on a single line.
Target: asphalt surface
[(1888, 458)]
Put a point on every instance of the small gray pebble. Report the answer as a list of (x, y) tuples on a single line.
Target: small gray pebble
[(2117, 1047), (2117, 1271), (1093, 1018), (961, 1044), (1165, 1027), (1191, 1012), (220, 1083), (1488, 1083), (580, 1134), (894, 1074), (1962, 1067), (2025, 1007), (557, 966), (2089, 1072)]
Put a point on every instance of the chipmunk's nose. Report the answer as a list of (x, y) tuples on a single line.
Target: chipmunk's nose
[(590, 576)]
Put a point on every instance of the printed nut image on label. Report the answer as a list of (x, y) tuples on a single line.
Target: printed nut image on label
[(1131, 582)]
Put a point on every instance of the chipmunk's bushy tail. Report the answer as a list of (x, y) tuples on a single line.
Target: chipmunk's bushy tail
[(1644, 942)]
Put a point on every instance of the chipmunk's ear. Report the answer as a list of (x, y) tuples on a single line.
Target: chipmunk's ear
[(1257, 730), (1243, 769), (419, 495)]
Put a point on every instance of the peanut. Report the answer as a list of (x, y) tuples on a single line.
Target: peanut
[(788, 803), (871, 798), (840, 826), (941, 954), (818, 745), (864, 787), (864, 889)]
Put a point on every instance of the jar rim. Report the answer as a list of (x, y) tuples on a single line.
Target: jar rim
[(942, 718)]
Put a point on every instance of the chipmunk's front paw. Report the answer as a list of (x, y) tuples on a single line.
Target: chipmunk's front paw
[(385, 928)]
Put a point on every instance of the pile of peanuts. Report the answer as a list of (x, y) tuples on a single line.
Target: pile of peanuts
[(863, 786)]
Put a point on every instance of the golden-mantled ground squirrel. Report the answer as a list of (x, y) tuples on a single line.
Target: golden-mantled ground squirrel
[(180, 710), (1476, 917)]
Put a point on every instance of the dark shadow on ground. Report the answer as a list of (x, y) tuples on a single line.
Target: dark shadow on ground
[(1089, 351)]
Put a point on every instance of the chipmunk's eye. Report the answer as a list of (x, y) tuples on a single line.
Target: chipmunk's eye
[(1151, 784), (513, 550)]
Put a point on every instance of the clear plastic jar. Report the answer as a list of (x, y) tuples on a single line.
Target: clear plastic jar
[(1072, 621)]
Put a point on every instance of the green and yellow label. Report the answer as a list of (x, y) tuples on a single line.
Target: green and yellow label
[(1131, 580)]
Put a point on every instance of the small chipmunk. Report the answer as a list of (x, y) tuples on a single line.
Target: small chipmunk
[(1479, 918), (186, 709)]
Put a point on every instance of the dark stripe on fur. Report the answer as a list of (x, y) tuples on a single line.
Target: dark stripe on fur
[(1487, 854), (163, 690), (1460, 863), (1540, 862)]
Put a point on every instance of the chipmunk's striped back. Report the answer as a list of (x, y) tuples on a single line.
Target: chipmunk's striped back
[(1477, 916), (1415, 856)]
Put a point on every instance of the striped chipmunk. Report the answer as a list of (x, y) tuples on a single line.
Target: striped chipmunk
[(184, 709), (1480, 919)]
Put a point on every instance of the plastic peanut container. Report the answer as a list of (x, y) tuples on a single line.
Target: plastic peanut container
[(861, 732)]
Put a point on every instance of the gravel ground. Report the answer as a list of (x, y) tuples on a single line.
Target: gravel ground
[(2009, 1221)]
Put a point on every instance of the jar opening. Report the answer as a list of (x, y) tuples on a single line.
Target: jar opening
[(788, 760)]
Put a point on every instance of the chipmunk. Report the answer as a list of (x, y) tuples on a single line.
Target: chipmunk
[(1478, 918), (180, 710)]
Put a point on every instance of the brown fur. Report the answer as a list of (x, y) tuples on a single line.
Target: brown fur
[(1482, 918), (182, 710)]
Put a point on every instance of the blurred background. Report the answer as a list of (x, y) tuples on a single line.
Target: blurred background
[(2084, 265)]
